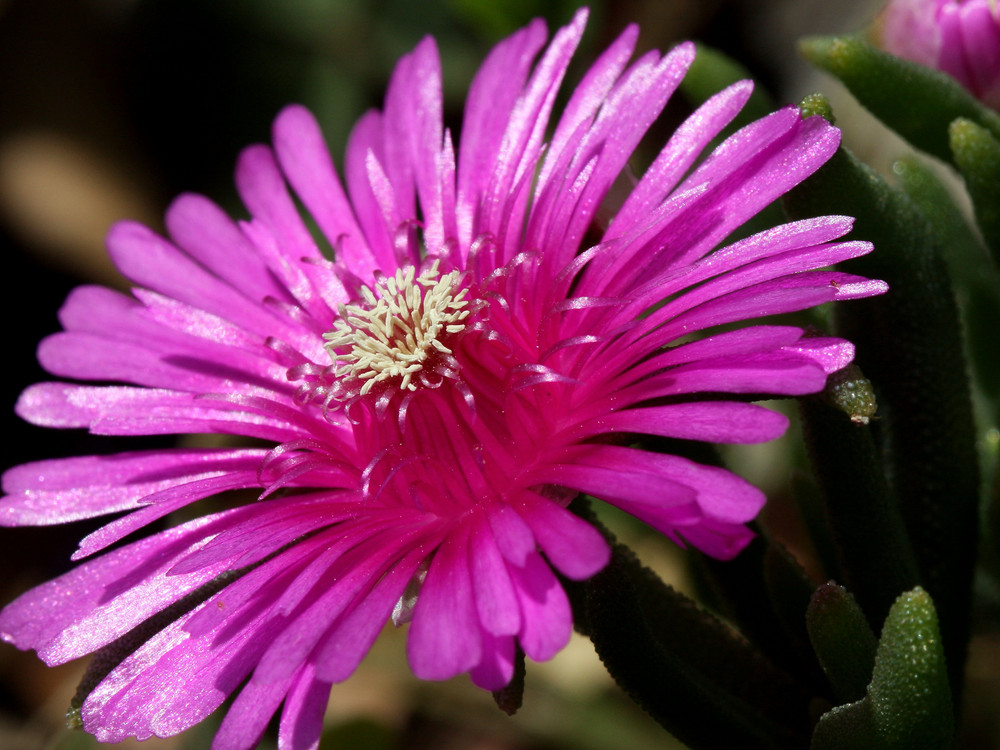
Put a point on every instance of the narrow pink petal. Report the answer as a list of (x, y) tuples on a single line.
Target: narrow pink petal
[(777, 252), (345, 645), (365, 138), (488, 107), (571, 544), (253, 590), (651, 496), (96, 602), (546, 620), (711, 421), (680, 317), (681, 151), (263, 190), (175, 679), (778, 372), (727, 279), (831, 354), (152, 467), (276, 522), (124, 410), (344, 577), (782, 295), (632, 106), (63, 490), (743, 341), (496, 600), (207, 234), (496, 668), (413, 132), (720, 540), (250, 713), (306, 163), (522, 141), (184, 318), (66, 405), (165, 501), (444, 638), (317, 291), (720, 494), (513, 536), (751, 169), (589, 94), (302, 715), (156, 264), (87, 356)]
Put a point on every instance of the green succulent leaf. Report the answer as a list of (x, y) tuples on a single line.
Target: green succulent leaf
[(869, 534), (909, 344), (691, 672), (915, 101), (976, 153), (908, 702), (842, 640)]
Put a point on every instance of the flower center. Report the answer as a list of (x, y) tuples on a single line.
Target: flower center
[(400, 329)]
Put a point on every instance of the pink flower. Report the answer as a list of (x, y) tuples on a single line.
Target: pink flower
[(421, 409), (959, 37)]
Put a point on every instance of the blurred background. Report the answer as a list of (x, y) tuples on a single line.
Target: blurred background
[(109, 108)]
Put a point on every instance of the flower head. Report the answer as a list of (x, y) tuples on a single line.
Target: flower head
[(423, 404), (959, 37)]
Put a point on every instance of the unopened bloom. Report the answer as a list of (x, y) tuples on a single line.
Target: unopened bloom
[(959, 37), (421, 407)]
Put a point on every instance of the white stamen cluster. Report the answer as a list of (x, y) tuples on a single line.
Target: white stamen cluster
[(398, 328)]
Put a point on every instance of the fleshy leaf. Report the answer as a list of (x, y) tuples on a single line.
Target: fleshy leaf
[(693, 674), (916, 102), (872, 546), (908, 705), (976, 153), (909, 343), (851, 392), (842, 640)]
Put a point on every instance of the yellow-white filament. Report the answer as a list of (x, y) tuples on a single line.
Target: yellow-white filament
[(398, 328)]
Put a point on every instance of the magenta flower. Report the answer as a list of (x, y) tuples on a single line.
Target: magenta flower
[(959, 37), (421, 409)]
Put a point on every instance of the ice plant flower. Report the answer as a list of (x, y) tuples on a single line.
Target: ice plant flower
[(422, 404), (959, 37)]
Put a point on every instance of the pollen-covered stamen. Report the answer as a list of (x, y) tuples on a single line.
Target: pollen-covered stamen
[(402, 325)]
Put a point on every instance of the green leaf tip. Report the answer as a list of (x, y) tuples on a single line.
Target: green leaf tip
[(74, 718), (510, 698), (851, 392), (908, 702), (842, 640), (915, 101), (976, 154), (817, 104), (911, 700)]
